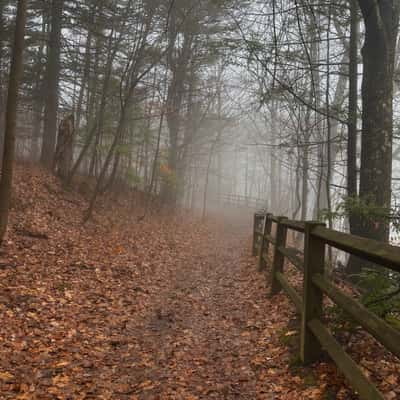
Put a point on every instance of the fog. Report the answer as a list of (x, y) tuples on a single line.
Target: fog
[(200, 104)]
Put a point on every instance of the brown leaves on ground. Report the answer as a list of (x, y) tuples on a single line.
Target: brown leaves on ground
[(165, 308)]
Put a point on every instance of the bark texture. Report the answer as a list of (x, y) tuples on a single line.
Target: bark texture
[(52, 78), (381, 27), (11, 117)]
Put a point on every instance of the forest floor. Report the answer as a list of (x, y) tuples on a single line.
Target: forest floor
[(167, 307)]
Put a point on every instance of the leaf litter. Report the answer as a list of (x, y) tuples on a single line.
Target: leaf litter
[(165, 308)]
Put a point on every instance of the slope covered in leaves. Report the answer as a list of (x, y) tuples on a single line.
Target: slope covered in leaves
[(163, 308)]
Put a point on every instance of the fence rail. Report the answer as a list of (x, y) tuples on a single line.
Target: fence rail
[(252, 203), (315, 336)]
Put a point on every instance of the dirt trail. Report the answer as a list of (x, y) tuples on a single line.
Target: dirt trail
[(211, 332), (165, 308), (175, 311), (199, 333)]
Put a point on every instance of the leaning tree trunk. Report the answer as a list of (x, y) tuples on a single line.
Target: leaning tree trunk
[(381, 26), (11, 117)]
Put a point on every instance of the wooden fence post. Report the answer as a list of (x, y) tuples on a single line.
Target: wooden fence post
[(279, 259), (314, 260), (255, 236), (264, 243)]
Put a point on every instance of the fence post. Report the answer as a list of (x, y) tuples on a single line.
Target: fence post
[(264, 243), (255, 236), (279, 259), (314, 263)]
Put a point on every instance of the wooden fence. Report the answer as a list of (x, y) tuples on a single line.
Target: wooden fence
[(315, 336), (238, 200)]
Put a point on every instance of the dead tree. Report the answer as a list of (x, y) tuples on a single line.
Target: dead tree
[(63, 156)]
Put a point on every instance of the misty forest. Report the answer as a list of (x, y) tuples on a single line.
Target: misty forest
[(199, 199)]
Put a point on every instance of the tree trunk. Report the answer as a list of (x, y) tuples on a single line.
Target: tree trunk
[(11, 117), (353, 267), (2, 76), (85, 78), (381, 26), (305, 166), (334, 148), (179, 67), (52, 78), (273, 177), (353, 102), (39, 102)]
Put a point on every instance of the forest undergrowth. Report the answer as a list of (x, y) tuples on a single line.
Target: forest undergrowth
[(165, 307)]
